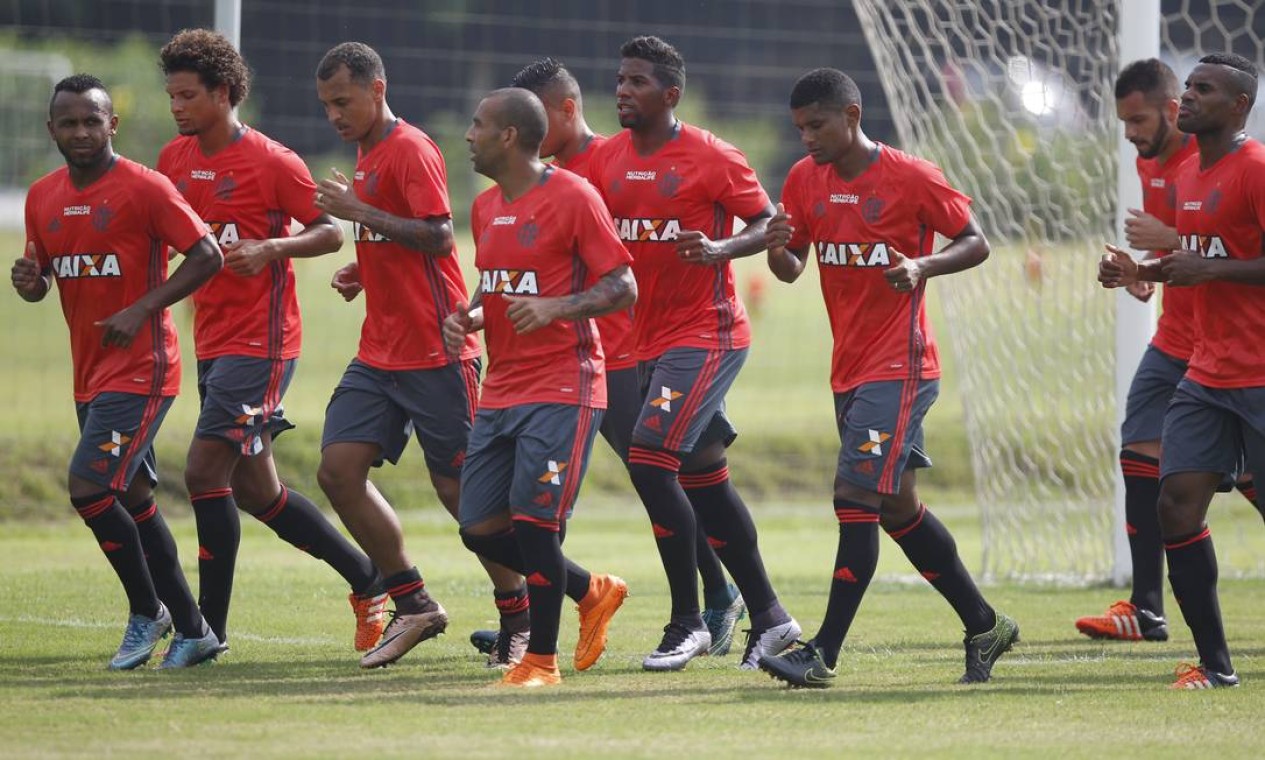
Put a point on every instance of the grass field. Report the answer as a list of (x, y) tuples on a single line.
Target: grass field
[(290, 686)]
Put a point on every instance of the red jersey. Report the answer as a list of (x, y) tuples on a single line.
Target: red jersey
[(1221, 214), (1175, 334), (553, 241), (250, 190), (899, 203), (107, 246), (617, 335), (694, 182), (407, 293)]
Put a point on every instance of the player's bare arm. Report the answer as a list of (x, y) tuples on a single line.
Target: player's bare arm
[(201, 263), (432, 235), (28, 280), (464, 319), (1145, 232), (250, 257), (787, 264), (696, 248), (615, 291), (347, 281), (968, 249), (1118, 269), (1186, 268)]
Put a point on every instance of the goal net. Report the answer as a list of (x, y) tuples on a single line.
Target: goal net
[(1013, 99)]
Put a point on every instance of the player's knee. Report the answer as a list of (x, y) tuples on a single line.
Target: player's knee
[(846, 491), (652, 467), (81, 488), (1177, 513), (448, 489)]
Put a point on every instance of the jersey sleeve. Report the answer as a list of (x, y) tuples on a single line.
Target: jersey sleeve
[(171, 219), (596, 240), (797, 208), (1256, 201), (295, 188), (33, 235), (424, 182), (738, 188), (942, 207)]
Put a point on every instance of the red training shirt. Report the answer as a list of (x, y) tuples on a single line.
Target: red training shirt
[(1175, 333)]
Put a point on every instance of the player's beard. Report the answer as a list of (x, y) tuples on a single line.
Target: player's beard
[(1155, 145), (90, 161)]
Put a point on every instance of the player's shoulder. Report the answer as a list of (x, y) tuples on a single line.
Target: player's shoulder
[(804, 170), (177, 149), (48, 183), (406, 137), (900, 161), (703, 140)]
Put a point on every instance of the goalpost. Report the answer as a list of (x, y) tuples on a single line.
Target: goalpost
[(1014, 99)]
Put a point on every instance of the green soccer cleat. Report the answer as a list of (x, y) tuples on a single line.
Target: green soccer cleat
[(801, 667), (983, 650)]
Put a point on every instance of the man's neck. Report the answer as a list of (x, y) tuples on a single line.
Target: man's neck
[(576, 145), (654, 136), (519, 177), (1214, 146), (381, 128), (862, 154), (81, 177), (223, 134)]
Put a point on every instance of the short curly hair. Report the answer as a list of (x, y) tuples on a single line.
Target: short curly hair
[(212, 57)]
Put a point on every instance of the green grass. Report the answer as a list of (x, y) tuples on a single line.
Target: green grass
[(290, 686)]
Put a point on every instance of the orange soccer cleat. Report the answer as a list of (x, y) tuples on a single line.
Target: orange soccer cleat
[(1198, 677), (534, 671), (1125, 622), (606, 594), (371, 613)]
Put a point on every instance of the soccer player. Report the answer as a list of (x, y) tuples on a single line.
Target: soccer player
[(403, 379), (101, 226), (1214, 423), (542, 236), (247, 326), (872, 212), (674, 191), (572, 144)]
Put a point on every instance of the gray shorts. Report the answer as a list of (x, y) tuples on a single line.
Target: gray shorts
[(241, 398), (1149, 395), (528, 460), (116, 438), (1218, 430), (623, 405), (880, 432), (386, 407), (683, 399)]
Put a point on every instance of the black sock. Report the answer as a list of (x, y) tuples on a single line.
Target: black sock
[(299, 522), (934, 554), (219, 533), (855, 560), (408, 591), (514, 609), (546, 583), (1248, 489), (116, 534), (1192, 569), (654, 475), (710, 570), (163, 561), (732, 533), (502, 548), (1142, 523)]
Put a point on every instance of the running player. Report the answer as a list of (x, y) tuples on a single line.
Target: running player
[(675, 191), (247, 327), (101, 227), (549, 260), (402, 379), (872, 212), (1214, 423)]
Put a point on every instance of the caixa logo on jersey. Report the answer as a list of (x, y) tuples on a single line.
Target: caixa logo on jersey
[(653, 230), (510, 282), (365, 235), (1208, 246), (853, 254), (76, 265), (225, 232)]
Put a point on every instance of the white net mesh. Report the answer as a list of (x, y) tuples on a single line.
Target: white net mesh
[(1014, 100)]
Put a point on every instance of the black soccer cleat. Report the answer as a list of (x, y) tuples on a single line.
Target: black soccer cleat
[(484, 641), (983, 650), (801, 667)]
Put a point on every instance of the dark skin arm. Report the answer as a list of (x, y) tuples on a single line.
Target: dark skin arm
[(696, 248), (615, 291), (431, 236), (968, 249), (787, 264), (464, 319), (250, 257), (201, 263), (1182, 269), (28, 280)]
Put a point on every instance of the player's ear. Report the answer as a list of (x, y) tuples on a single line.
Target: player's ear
[(379, 89), (1170, 110), (852, 112), (114, 124), (672, 96), (569, 108)]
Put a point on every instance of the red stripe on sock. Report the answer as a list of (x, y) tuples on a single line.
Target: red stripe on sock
[(1206, 534), (900, 533), (704, 479), (276, 507), (404, 589), (513, 605), (146, 515), (218, 493), (652, 458), (1134, 469), (96, 508), (552, 525)]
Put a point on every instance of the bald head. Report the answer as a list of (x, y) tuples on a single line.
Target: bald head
[(521, 109)]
